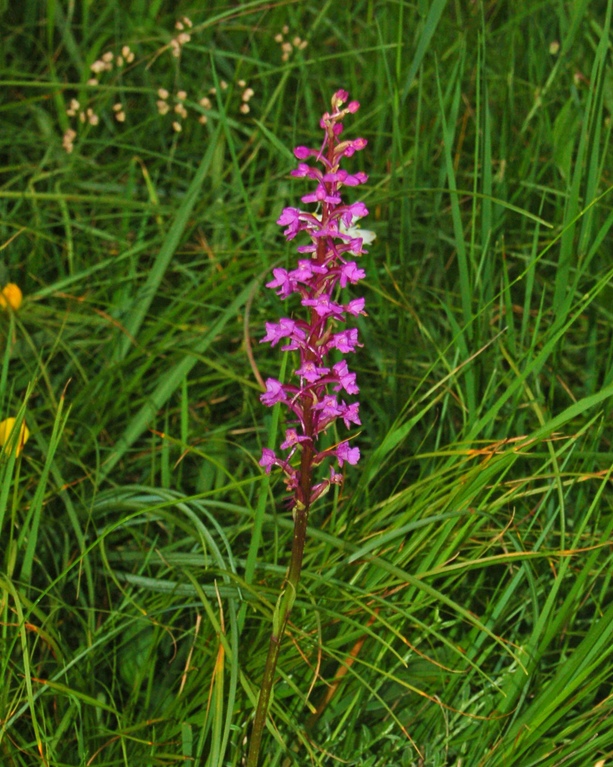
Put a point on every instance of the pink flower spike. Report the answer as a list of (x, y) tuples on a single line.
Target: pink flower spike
[(346, 453), (331, 241)]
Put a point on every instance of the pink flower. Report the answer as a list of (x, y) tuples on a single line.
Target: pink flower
[(350, 415), (275, 392), (346, 379), (324, 306), (306, 271), (346, 341), (282, 281), (310, 372), (268, 459), (349, 273), (355, 306), (329, 407), (321, 194), (353, 212), (285, 328), (346, 453), (292, 438)]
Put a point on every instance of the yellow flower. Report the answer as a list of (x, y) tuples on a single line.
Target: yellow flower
[(11, 295), (6, 429)]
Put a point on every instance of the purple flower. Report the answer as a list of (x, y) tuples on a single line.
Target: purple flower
[(283, 281), (329, 408), (306, 271), (268, 459), (346, 341), (346, 453), (354, 212), (355, 179), (285, 328), (306, 171), (346, 379), (349, 273), (329, 229), (350, 147), (331, 235), (350, 414), (310, 372), (324, 306), (292, 438), (303, 152), (275, 392), (290, 217), (355, 306), (321, 194)]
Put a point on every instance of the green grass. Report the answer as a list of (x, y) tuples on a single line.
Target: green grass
[(455, 606)]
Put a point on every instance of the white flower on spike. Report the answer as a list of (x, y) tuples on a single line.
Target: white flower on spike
[(354, 231)]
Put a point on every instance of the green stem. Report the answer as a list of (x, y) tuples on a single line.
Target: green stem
[(284, 604)]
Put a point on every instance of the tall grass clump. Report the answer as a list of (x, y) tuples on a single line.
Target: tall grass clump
[(454, 604)]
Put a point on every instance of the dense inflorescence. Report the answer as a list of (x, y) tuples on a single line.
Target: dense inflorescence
[(316, 400)]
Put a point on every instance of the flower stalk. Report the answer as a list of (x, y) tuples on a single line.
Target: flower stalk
[(315, 400)]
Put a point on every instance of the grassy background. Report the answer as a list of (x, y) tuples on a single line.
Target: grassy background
[(455, 606)]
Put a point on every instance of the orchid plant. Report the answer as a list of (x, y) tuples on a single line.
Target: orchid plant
[(315, 397)]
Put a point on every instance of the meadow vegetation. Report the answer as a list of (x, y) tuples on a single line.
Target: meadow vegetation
[(455, 605)]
